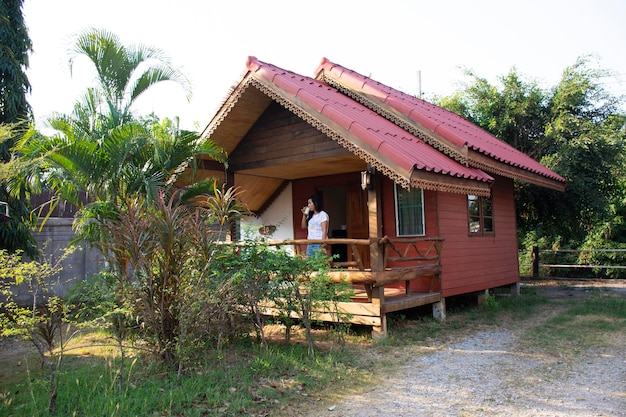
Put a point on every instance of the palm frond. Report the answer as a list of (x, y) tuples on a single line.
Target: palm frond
[(157, 74)]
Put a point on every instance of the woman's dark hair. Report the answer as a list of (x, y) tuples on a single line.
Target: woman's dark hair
[(316, 204)]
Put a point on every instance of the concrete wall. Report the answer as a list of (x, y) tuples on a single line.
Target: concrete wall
[(53, 239)]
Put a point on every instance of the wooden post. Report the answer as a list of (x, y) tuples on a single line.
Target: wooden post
[(535, 261), (439, 310), (481, 297), (375, 224), (515, 289), (380, 333), (378, 298), (376, 255)]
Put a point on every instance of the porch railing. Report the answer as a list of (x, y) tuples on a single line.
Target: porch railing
[(393, 261), (403, 259)]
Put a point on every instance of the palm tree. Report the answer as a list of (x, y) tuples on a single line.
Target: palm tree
[(130, 159), (100, 149), (125, 167), (123, 73), (100, 152)]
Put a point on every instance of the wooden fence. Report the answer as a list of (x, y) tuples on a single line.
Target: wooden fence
[(571, 263)]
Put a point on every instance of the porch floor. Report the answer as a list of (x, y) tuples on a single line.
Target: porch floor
[(396, 299)]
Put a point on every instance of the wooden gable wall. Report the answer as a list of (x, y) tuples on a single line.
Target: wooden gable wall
[(278, 144)]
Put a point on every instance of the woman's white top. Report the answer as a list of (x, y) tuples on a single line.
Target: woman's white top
[(315, 225)]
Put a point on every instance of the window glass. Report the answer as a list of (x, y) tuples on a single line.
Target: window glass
[(487, 207), (409, 212), (488, 225), (473, 208), (480, 215)]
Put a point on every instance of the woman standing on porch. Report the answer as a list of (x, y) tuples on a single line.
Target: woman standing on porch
[(316, 220)]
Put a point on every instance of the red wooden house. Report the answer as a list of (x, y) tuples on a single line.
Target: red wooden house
[(420, 200)]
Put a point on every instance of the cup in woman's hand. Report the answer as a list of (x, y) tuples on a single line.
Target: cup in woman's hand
[(306, 210)]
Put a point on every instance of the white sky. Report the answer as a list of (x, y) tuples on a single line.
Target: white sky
[(389, 40)]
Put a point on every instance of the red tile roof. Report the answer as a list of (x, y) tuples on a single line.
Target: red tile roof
[(411, 141), (454, 129), (383, 140)]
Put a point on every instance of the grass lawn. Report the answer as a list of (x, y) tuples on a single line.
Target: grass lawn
[(245, 380)]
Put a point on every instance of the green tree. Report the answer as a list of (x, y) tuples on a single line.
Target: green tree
[(100, 153), (121, 172), (43, 322), (575, 128), (15, 46), (517, 113), (585, 141)]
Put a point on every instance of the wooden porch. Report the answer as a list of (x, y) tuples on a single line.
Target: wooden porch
[(408, 276)]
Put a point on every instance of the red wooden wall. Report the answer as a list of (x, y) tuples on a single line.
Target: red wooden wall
[(478, 263), (469, 263)]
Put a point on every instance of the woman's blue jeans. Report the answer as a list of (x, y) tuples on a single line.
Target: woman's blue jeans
[(311, 249)]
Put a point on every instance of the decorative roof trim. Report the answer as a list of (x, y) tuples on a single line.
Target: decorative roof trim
[(430, 181), (459, 155), (408, 181), (480, 161), (227, 106), (466, 154), (331, 133)]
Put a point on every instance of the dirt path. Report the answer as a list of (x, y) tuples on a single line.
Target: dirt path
[(486, 373)]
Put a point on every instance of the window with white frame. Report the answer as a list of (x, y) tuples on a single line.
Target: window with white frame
[(480, 215), (409, 212)]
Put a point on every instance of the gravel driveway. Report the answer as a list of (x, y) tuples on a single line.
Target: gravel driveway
[(486, 374)]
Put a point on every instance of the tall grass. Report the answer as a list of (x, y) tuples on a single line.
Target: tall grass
[(246, 380), (243, 381)]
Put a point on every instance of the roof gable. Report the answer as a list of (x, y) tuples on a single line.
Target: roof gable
[(414, 143), (399, 154), (445, 130)]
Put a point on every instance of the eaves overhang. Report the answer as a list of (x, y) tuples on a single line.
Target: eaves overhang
[(401, 156), (442, 129)]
